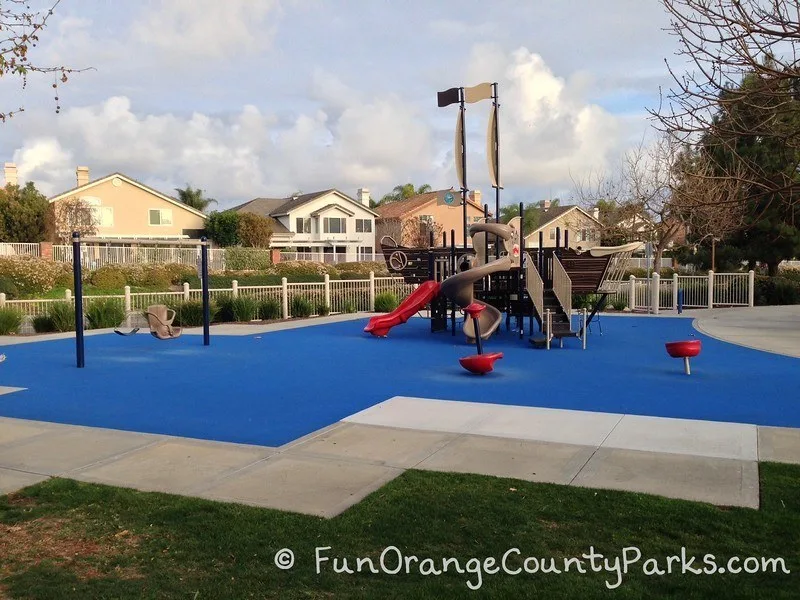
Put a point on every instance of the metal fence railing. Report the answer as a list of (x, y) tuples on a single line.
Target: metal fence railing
[(18, 249), (692, 291)]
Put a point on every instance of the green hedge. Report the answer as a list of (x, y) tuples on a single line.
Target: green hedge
[(772, 291)]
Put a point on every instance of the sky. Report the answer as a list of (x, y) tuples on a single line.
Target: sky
[(254, 98)]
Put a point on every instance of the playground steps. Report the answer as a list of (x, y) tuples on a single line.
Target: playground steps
[(561, 325)]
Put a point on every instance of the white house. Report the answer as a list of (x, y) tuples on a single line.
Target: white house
[(327, 225)]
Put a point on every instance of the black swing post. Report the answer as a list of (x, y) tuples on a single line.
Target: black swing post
[(204, 283), (76, 275)]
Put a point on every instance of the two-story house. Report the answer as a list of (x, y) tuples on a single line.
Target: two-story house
[(123, 208), (584, 228), (410, 221), (328, 225)]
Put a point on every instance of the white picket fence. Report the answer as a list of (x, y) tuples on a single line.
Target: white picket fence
[(698, 291), (346, 295)]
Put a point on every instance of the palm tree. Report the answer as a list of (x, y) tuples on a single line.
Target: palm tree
[(194, 198), (401, 192)]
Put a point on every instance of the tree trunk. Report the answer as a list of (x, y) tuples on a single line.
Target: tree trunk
[(772, 268)]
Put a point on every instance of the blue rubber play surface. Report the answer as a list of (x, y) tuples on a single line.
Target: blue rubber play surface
[(272, 388)]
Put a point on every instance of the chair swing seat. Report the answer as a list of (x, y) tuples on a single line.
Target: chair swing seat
[(126, 333), (160, 319)]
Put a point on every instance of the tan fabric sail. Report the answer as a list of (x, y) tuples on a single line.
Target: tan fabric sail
[(491, 148), (459, 149), (482, 91)]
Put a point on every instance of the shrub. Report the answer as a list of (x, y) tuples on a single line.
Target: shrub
[(294, 268), (156, 276), (224, 309), (178, 273), (360, 270), (790, 273), (349, 306), (385, 302), (776, 291), (31, 274), (269, 309), (10, 321), (43, 324), (106, 312), (580, 301), (247, 259), (244, 308), (619, 304), (301, 307), (322, 309), (62, 316), (189, 313), (110, 277), (8, 287)]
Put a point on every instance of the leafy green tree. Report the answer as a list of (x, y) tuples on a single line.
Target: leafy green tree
[(223, 228), (771, 231), (254, 231), (194, 197), (404, 191), (23, 214), (532, 213)]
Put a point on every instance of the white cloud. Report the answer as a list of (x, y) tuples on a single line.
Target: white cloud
[(549, 132), (205, 29), (343, 137)]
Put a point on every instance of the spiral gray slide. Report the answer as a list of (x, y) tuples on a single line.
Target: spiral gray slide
[(459, 289)]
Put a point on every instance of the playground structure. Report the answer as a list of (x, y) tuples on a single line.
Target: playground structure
[(506, 278)]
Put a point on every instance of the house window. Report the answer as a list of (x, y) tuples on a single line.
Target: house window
[(160, 216), (303, 225), (426, 219), (363, 226), (103, 216), (334, 225), (552, 233), (477, 219)]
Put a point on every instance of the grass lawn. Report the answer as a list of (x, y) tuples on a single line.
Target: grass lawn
[(65, 539)]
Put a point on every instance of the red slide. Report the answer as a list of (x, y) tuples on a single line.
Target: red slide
[(381, 324)]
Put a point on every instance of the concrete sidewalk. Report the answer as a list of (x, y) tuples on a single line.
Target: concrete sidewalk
[(334, 468)]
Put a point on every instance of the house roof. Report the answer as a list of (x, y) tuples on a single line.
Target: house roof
[(554, 213), (402, 208), (263, 207), (276, 207), (133, 182), (345, 210)]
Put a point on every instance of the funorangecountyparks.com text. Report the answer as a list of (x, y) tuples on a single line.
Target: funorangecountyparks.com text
[(516, 563)]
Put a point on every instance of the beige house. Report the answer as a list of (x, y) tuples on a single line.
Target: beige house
[(327, 225), (123, 208), (584, 228), (409, 221)]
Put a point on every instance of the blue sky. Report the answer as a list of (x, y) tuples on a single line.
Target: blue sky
[(249, 98)]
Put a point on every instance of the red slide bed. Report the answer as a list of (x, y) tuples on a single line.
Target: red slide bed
[(381, 324)]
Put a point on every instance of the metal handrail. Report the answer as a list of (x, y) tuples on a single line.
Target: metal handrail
[(562, 286)]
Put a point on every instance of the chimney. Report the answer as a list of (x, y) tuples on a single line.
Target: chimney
[(546, 204), (475, 196), (596, 213), (82, 175), (11, 174), (363, 196)]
